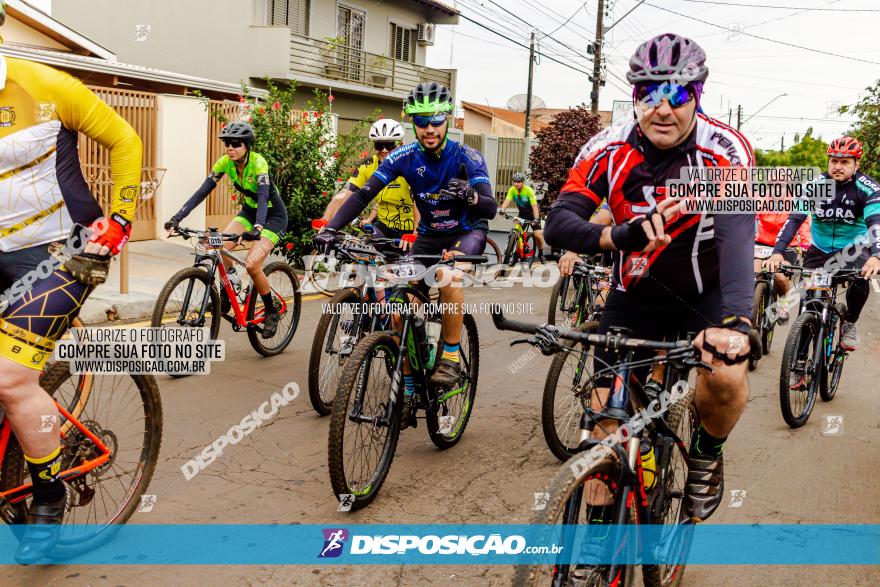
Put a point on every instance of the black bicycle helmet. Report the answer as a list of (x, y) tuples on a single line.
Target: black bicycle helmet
[(668, 57), (238, 130)]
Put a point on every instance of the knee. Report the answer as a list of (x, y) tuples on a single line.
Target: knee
[(15, 380), (253, 265), (728, 384)]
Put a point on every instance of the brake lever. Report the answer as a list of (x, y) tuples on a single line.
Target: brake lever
[(529, 340)]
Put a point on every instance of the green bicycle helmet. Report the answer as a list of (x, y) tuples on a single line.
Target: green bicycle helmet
[(428, 98)]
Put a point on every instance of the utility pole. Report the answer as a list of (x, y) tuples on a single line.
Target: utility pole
[(739, 115), (782, 143), (597, 58), (529, 103), (729, 116)]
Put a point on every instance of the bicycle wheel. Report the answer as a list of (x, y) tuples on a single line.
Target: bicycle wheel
[(447, 424), (335, 339), (566, 391), (681, 419), (510, 255), (759, 304), (830, 381), (179, 302), (125, 412), (493, 248), (567, 508), (364, 425), (285, 287), (569, 302), (323, 273), (798, 379)]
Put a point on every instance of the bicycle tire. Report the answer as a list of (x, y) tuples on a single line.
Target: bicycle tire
[(15, 471), (563, 450), (366, 349), (321, 284), (808, 324), (294, 306), (470, 371), (759, 304), (160, 310), (661, 575), (510, 255), (321, 390), (830, 381), (496, 250), (562, 487)]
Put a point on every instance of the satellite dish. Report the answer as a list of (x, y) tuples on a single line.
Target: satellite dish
[(518, 103)]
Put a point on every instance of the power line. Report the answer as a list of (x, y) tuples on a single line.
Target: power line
[(765, 38), (804, 8), (624, 16), (567, 20)]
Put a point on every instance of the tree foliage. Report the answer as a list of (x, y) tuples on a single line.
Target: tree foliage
[(867, 129), (558, 145), (808, 151), (307, 163)]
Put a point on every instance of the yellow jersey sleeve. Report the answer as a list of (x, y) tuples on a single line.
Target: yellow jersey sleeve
[(363, 171), (81, 110)]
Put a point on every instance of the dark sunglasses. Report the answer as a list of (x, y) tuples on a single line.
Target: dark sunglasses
[(422, 121), (652, 95), (233, 144), (385, 146)]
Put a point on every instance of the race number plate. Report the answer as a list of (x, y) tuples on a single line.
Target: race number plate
[(215, 240), (763, 252), (820, 280)]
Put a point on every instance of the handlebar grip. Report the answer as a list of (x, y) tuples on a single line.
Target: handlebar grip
[(502, 323)]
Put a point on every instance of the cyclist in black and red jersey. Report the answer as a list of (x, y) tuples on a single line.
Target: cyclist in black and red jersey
[(674, 273)]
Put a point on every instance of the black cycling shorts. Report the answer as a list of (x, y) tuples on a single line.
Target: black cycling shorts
[(276, 221), (472, 242), (667, 319), (43, 300)]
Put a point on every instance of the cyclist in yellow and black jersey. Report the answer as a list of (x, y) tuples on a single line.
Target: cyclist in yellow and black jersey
[(393, 213), (44, 199)]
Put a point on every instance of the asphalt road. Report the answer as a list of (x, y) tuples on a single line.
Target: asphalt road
[(278, 474)]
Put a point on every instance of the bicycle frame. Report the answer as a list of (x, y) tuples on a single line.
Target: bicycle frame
[(823, 303), (22, 492)]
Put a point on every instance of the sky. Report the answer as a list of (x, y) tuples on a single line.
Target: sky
[(743, 70)]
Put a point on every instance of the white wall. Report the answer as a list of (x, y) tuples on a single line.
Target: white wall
[(181, 148)]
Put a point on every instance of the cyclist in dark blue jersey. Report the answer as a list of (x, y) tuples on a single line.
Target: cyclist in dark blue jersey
[(450, 187), (838, 224)]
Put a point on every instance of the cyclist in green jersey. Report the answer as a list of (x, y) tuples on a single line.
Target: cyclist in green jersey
[(262, 218), (524, 198)]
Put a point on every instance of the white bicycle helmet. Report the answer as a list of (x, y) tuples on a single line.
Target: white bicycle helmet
[(386, 129)]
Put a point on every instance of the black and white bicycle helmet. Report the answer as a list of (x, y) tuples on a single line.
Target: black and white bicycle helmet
[(386, 129)]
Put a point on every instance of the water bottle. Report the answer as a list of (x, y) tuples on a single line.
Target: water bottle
[(433, 330), (649, 464), (234, 279)]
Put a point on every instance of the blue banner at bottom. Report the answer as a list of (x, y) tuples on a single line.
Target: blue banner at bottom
[(432, 544)]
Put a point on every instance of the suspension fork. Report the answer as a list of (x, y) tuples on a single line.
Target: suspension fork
[(203, 306)]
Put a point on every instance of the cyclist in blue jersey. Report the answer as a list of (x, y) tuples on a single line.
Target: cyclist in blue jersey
[(837, 224), (450, 187)]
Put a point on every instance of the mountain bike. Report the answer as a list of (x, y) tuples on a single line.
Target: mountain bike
[(111, 432), (348, 320), (616, 476), (368, 410), (191, 299), (578, 298), (813, 359), (521, 245), (765, 297), (325, 273)]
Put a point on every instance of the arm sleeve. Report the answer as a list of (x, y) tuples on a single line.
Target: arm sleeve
[(788, 231), (567, 224), (735, 237), (81, 110), (264, 190), (197, 198), (485, 206), (357, 201)]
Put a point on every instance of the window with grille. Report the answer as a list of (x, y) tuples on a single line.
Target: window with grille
[(402, 43), (290, 13)]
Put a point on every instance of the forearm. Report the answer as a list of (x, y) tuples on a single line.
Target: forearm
[(417, 217), (355, 203), (336, 203), (734, 235), (568, 228), (197, 198), (788, 232), (373, 214), (873, 224), (485, 206), (536, 211)]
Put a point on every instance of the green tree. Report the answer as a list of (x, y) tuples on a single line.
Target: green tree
[(867, 128), (808, 151), (558, 145), (308, 164)]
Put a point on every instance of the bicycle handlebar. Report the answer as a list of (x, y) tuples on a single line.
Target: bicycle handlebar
[(188, 233)]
